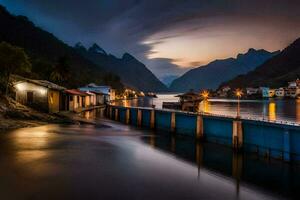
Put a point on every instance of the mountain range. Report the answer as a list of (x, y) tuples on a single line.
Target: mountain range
[(275, 72), (44, 49), (92, 65), (215, 73), (132, 72)]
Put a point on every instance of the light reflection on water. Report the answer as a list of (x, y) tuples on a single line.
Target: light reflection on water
[(273, 109), (75, 161)]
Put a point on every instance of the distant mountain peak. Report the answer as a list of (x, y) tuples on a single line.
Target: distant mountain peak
[(216, 72), (95, 48), (79, 46), (128, 57), (252, 50)]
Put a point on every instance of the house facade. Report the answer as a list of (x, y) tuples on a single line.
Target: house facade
[(279, 92), (107, 92), (75, 100), (39, 94)]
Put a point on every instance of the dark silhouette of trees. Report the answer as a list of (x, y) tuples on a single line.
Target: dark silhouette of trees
[(61, 70), (12, 59)]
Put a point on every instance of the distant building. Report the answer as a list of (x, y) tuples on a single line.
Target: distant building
[(39, 94), (293, 89), (190, 101), (252, 91), (271, 93), (279, 92), (292, 92), (265, 92), (223, 92), (107, 91), (294, 84)]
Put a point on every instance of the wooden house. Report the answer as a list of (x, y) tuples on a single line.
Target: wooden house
[(107, 92), (76, 100), (39, 94)]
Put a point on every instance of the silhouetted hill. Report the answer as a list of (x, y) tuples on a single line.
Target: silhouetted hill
[(218, 71), (131, 71), (275, 72), (44, 50)]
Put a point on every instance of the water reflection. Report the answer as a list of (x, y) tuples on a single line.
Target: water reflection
[(273, 109), (205, 106), (271, 175), (92, 114)]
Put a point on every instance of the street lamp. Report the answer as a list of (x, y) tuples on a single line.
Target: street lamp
[(238, 93), (205, 94)]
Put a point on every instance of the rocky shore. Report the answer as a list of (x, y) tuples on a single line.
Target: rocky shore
[(14, 115)]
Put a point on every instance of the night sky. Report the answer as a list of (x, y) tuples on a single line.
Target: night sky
[(169, 36)]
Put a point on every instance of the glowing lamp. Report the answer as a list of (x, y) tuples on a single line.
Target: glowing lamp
[(205, 94), (42, 91), (238, 93), (20, 86)]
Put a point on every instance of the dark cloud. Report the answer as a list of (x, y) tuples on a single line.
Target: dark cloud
[(123, 25)]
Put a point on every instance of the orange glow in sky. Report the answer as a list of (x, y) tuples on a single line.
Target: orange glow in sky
[(201, 46)]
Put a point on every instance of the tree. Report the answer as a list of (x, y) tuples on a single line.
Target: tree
[(61, 70), (12, 59)]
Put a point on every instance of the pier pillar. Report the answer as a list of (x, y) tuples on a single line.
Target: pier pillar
[(116, 114), (106, 111), (110, 112), (286, 146), (237, 134), (173, 122), (152, 119), (199, 127), (139, 118), (127, 116)]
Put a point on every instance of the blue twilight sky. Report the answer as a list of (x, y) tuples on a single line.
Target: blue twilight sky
[(169, 36)]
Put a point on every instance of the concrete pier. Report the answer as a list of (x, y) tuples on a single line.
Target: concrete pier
[(268, 139), (110, 112), (117, 114)]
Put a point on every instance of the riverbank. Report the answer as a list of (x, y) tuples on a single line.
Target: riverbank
[(14, 115)]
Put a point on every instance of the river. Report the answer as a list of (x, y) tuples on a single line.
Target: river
[(111, 160), (269, 109)]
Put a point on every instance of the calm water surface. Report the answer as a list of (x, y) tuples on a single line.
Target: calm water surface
[(114, 161), (273, 109)]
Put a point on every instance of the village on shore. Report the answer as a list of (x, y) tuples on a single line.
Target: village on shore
[(291, 91)]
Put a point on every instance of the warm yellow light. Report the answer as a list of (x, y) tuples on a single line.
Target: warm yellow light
[(238, 93), (272, 111), (42, 91), (20, 86), (205, 94)]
